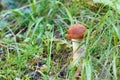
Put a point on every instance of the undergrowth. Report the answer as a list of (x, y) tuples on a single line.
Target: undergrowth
[(34, 43)]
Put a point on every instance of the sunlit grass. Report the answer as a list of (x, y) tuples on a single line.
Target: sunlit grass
[(34, 43)]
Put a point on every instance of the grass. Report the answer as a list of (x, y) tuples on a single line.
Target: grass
[(34, 43)]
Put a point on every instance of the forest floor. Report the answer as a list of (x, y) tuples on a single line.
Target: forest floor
[(34, 43)]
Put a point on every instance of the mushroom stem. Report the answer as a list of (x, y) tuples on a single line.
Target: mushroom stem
[(78, 52), (75, 43)]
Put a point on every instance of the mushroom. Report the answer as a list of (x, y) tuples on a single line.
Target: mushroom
[(76, 33)]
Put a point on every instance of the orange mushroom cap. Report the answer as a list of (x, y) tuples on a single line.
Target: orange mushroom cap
[(76, 31)]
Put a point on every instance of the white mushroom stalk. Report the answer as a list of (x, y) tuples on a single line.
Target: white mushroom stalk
[(75, 44), (77, 50)]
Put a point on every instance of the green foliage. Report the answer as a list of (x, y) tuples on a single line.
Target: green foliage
[(112, 3), (34, 43)]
